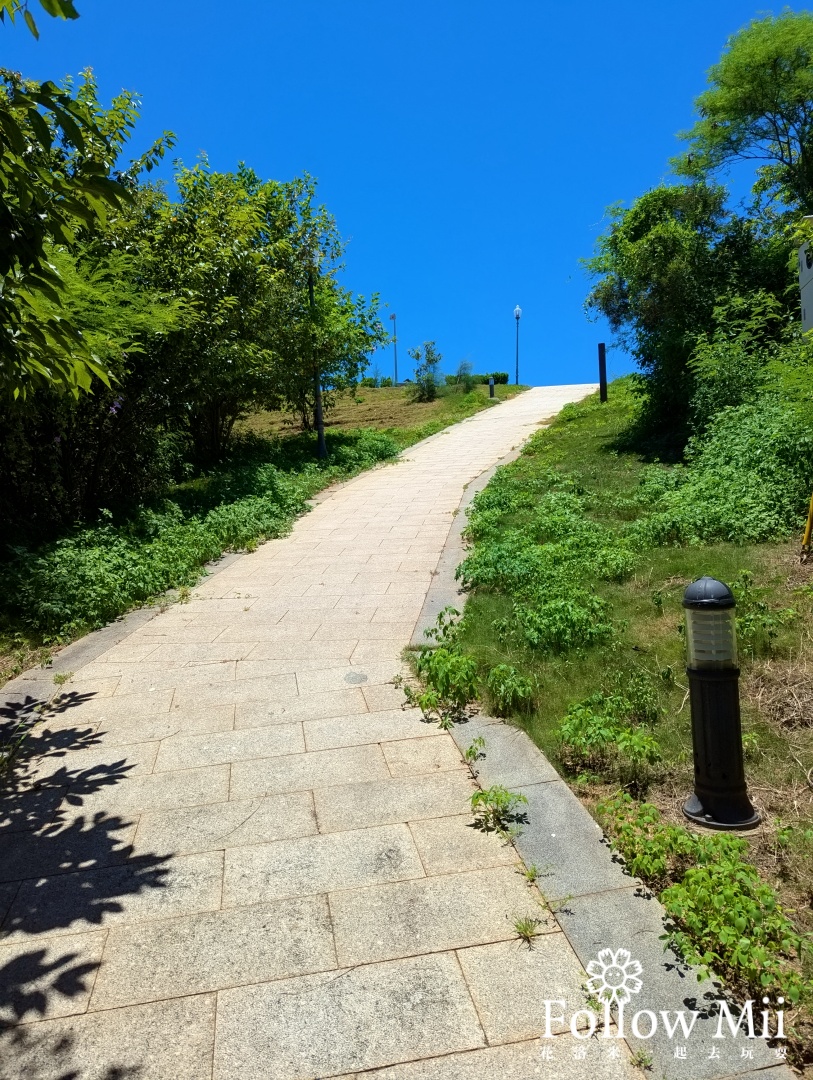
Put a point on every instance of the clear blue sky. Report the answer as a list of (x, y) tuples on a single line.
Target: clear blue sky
[(467, 149)]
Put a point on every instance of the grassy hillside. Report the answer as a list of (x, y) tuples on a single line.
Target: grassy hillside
[(388, 409), (575, 623)]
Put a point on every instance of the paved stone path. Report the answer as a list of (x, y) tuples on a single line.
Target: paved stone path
[(238, 858)]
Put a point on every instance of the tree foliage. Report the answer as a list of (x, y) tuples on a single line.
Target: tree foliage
[(759, 107), (59, 151), (427, 372)]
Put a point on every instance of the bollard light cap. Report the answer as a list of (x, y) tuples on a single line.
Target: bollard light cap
[(708, 592)]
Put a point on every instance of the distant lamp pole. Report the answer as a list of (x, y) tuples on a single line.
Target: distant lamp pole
[(395, 346), (517, 316)]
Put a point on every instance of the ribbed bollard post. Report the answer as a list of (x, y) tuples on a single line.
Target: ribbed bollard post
[(720, 799)]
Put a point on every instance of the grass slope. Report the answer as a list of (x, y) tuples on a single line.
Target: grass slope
[(575, 622), (388, 409)]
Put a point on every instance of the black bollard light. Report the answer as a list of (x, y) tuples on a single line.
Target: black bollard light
[(491, 387), (720, 799)]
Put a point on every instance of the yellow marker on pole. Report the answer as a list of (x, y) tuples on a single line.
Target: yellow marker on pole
[(805, 553)]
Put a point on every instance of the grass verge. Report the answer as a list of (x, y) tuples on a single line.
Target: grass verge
[(574, 620)]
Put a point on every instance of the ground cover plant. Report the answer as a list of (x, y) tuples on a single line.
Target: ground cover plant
[(576, 593)]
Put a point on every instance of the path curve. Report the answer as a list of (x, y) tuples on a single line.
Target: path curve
[(238, 858)]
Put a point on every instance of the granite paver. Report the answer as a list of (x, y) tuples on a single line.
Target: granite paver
[(260, 864)]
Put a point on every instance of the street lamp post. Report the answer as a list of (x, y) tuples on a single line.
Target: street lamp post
[(395, 346), (517, 316)]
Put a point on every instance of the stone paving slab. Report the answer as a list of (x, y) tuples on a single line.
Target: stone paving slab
[(303, 772), (158, 791), (222, 825), (567, 846), (137, 758), (449, 845), (322, 1025), (377, 727), (168, 1039), (88, 842), (438, 913), (316, 864), (138, 729), (256, 713), (510, 758), (215, 950), (194, 751), (384, 802), (509, 980), (417, 757), (138, 891), (66, 965)]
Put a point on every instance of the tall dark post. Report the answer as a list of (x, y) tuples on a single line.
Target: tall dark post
[(720, 799), (517, 316), (602, 371), (321, 445), (491, 386), (395, 346)]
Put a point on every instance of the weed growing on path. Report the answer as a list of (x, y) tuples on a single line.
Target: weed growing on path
[(498, 810)]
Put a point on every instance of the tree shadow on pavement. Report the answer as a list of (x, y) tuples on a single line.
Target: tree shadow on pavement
[(62, 870)]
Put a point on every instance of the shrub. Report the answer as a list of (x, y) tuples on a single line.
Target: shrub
[(427, 367), (723, 917), (92, 576), (510, 691), (746, 480), (600, 735)]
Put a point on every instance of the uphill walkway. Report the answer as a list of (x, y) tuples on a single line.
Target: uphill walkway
[(236, 857)]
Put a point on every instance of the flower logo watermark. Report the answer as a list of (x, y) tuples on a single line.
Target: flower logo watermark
[(614, 976)]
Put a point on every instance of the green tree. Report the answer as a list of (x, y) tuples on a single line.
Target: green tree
[(58, 153), (759, 107), (427, 372), (321, 335), (663, 267)]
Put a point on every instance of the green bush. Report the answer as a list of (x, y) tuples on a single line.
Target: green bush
[(510, 691), (746, 480), (602, 735), (427, 372), (723, 917)]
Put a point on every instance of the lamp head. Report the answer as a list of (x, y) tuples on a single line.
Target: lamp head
[(711, 640), (517, 312)]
